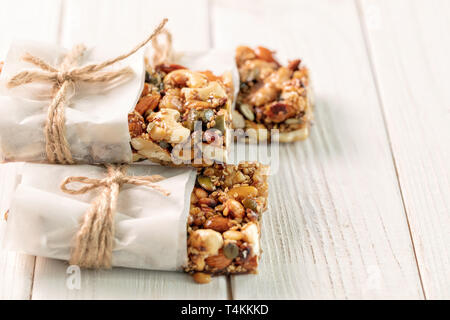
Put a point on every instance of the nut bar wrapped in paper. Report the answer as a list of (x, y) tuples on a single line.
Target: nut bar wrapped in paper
[(272, 97), (198, 220), (78, 106)]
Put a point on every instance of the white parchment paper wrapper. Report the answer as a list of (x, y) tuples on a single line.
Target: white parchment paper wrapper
[(96, 119), (150, 227)]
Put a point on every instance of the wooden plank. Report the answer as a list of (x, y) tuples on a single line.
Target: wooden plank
[(120, 283), (28, 19), (16, 270), (23, 19), (336, 227), (409, 47), (127, 22)]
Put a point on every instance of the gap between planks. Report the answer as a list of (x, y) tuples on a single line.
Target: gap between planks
[(364, 32)]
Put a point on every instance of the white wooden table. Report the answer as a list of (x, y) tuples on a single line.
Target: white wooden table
[(359, 210)]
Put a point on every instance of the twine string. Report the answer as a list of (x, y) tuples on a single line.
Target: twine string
[(57, 148), (94, 241), (162, 51)]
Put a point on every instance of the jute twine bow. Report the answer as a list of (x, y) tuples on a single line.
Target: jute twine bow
[(162, 51), (57, 148), (94, 241)]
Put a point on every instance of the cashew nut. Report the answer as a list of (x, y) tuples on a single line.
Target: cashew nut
[(212, 90), (184, 77), (206, 241), (149, 150), (164, 126)]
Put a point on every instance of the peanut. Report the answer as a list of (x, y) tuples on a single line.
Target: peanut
[(234, 208), (202, 278), (233, 235), (200, 193)]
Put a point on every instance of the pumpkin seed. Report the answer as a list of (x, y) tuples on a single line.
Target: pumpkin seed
[(192, 117), (293, 121), (250, 204), (247, 112), (231, 250), (164, 144), (206, 183), (220, 123), (207, 115)]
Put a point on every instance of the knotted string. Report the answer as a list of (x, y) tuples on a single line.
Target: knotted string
[(162, 51), (94, 241), (57, 147)]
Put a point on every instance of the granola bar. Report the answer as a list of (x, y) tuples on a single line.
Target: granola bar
[(272, 96), (224, 221), (182, 117)]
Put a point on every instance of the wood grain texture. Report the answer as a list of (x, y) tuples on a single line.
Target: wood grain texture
[(28, 19), (125, 22), (340, 221), (336, 227), (121, 24), (409, 45), (23, 19)]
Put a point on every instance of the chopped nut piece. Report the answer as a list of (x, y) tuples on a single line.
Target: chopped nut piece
[(251, 235), (151, 150), (206, 241), (165, 127), (234, 208), (136, 124)]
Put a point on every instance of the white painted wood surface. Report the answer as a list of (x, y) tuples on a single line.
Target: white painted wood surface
[(336, 226), (360, 210), (409, 46), (39, 21)]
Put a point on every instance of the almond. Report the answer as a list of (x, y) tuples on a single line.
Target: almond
[(147, 103), (219, 261), (167, 68), (136, 124), (218, 223)]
